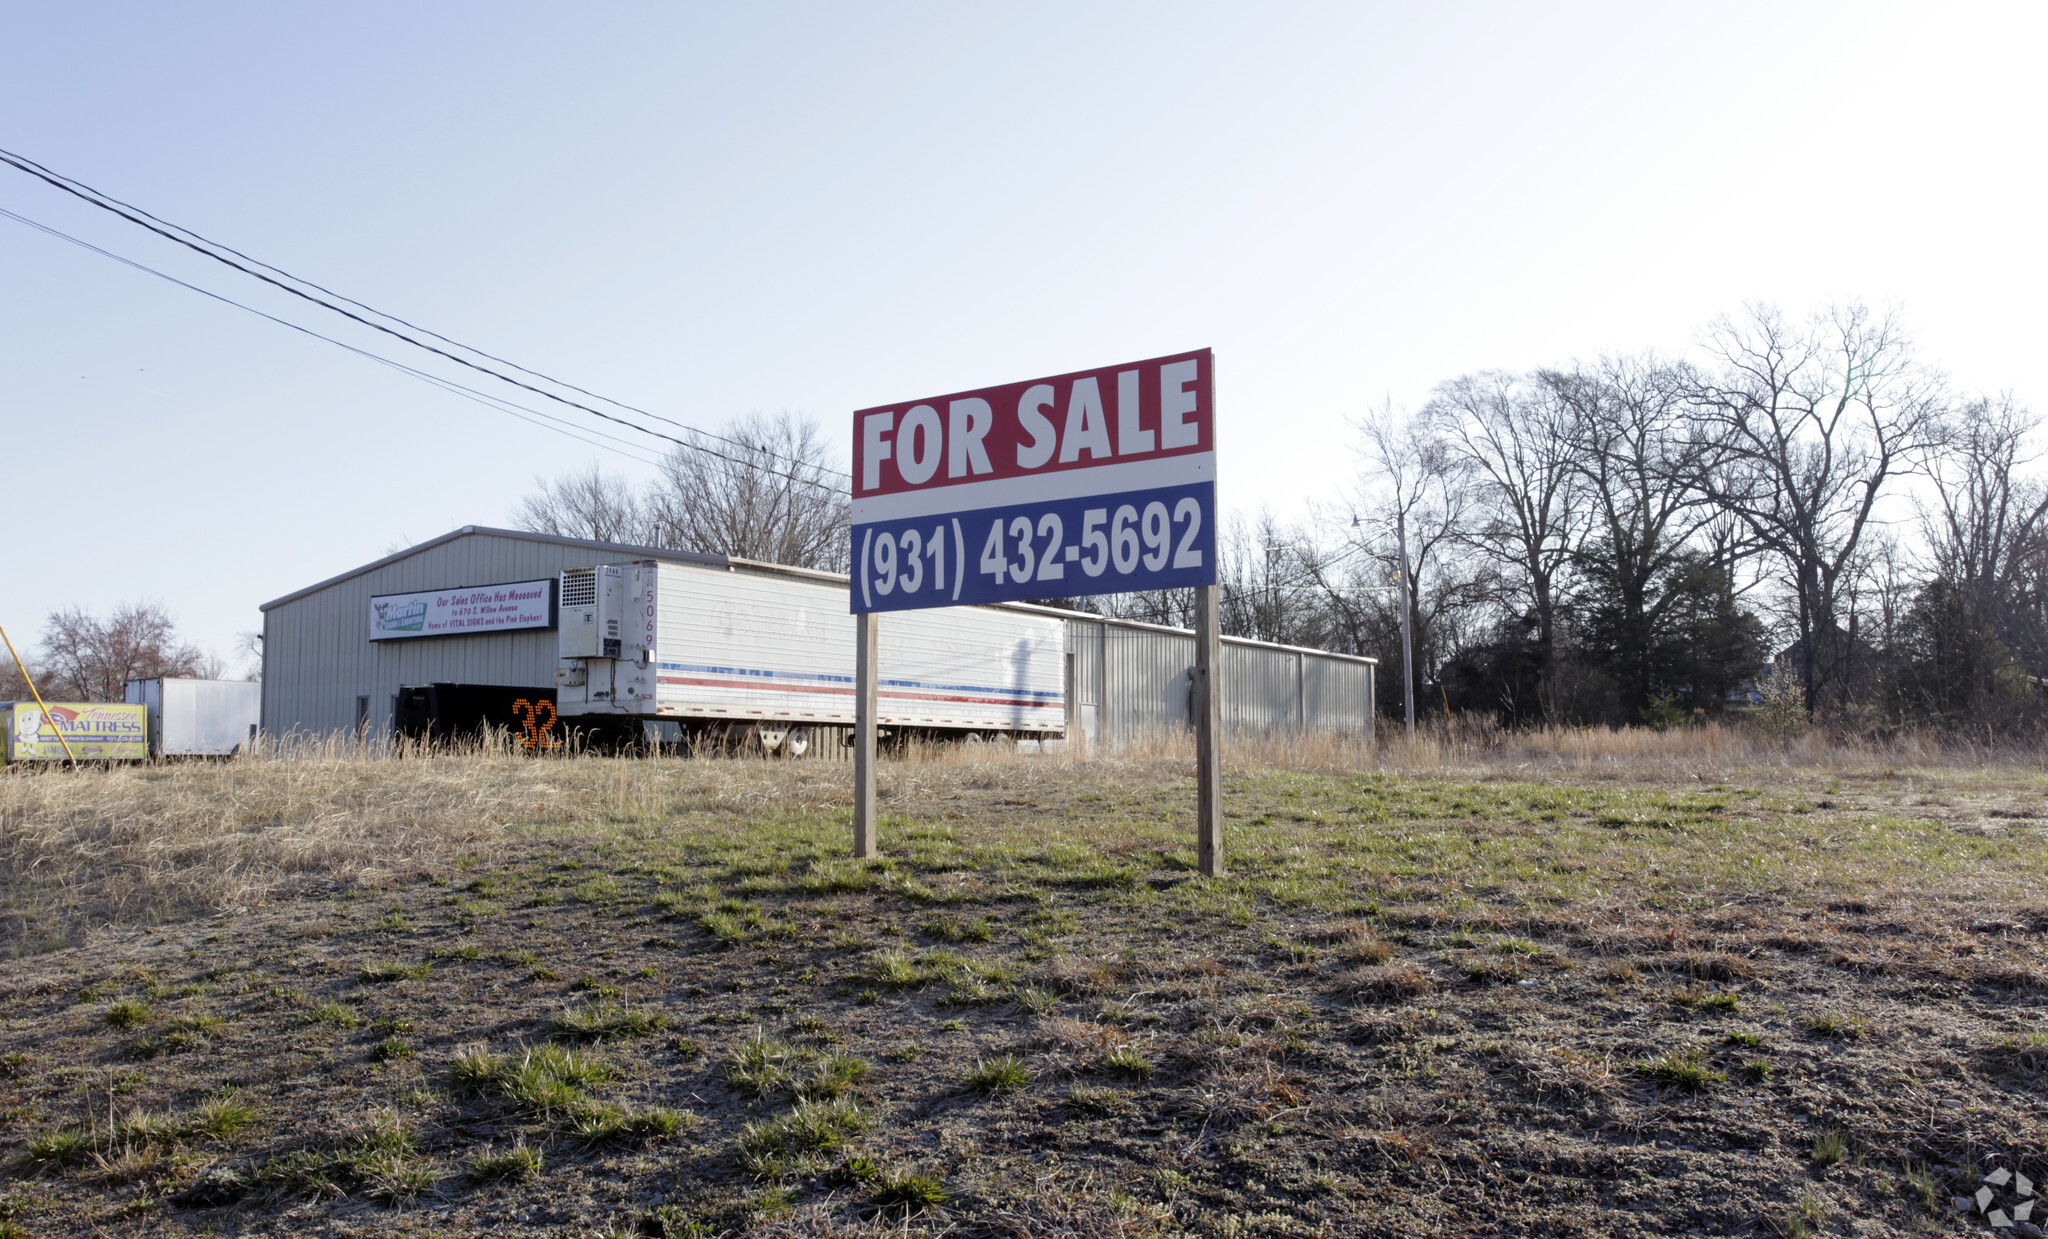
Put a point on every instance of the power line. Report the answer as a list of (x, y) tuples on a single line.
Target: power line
[(550, 421), (199, 243), (210, 249), (298, 279)]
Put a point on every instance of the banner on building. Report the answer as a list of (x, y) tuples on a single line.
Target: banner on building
[(464, 610)]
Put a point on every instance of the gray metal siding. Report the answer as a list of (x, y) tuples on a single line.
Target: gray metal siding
[(1335, 689), (1145, 679), (1084, 642), (1260, 691), (1144, 674)]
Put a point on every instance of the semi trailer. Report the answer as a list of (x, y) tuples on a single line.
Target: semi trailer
[(199, 718), (766, 660)]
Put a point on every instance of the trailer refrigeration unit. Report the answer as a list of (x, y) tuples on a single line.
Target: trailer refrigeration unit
[(769, 657)]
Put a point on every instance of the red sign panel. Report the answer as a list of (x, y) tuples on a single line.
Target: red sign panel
[(1138, 411)]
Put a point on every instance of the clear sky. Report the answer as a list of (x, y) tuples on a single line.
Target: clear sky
[(712, 210)]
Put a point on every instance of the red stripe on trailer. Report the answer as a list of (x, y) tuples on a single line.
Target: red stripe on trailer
[(757, 685)]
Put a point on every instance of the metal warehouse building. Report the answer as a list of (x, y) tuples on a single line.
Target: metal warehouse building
[(323, 674)]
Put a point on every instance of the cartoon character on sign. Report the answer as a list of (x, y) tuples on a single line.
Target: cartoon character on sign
[(28, 727), (406, 616)]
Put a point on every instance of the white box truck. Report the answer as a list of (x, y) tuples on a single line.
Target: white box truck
[(199, 718), (771, 653)]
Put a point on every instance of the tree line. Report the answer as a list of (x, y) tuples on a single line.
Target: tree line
[(1803, 508), (763, 488), (83, 657), (1799, 508)]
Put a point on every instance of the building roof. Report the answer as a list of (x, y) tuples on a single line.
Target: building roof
[(523, 535)]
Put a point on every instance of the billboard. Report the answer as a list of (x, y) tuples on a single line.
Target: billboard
[(1096, 482), (464, 610), (95, 732)]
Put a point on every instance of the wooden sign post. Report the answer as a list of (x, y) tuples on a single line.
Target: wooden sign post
[(1208, 728), (865, 715)]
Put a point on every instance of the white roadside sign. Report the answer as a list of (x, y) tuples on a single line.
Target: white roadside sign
[(464, 610)]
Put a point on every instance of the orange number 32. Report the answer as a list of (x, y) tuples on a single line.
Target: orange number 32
[(535, 734)]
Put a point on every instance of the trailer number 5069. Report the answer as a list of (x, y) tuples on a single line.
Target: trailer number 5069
[(1023, 551)]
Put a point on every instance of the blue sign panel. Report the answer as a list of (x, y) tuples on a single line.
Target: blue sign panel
[(1163, 538)]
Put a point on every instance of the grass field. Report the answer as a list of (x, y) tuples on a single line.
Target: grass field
[(1623, 988)]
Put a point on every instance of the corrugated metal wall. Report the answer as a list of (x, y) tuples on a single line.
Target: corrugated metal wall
[(1131, 678)]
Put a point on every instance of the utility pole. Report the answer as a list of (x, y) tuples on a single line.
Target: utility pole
[(1407, 633)]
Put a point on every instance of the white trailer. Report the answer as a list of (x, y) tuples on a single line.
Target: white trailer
[(199, 718), (771, 652)]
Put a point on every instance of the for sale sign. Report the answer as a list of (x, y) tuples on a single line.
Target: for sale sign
[(1097, 482)]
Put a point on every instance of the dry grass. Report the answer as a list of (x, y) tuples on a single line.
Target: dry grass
[(1470, 746), (1384, 983), (145, 844)]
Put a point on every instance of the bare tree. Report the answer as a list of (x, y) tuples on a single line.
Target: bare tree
[(1893, 581), (1275, 582), (1986, 529), (88, 659), (766, 489), (12, 686), (1637, 456), (1354, 587), (1984, 515), (1515, 441), (250, 646), (1253, 588), (1412, 474), (1174, 608), (591, 504), (1811, 424)]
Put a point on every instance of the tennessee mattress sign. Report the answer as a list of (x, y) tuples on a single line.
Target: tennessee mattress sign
[(29, 732), (463, 610), (1097, 482)]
